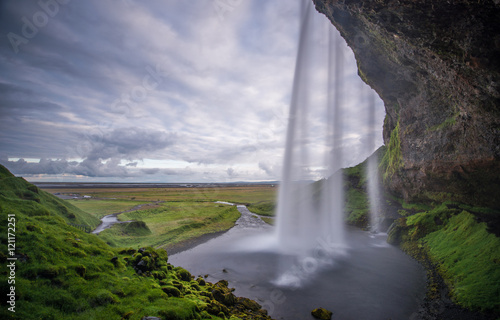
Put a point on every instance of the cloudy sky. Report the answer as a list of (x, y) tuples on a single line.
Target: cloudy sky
[(164, 91)]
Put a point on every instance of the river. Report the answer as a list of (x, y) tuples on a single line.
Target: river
[(371, 280)]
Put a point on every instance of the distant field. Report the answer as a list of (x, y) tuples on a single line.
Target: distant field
[(183, 214), (242, 194), (100, 208)]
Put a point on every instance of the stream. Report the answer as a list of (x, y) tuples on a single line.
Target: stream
[(371, 280), (109, 220)]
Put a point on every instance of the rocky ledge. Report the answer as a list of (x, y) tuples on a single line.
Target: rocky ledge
[(436, 66)]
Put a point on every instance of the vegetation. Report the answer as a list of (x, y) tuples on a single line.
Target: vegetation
[(64, 273), (170, 223), (100, 208), (357, 207), (452, 239), (448, 122), (264, 208), (466, 254), (235, 194), (392, 159)]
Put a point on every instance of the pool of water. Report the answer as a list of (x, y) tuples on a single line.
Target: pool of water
[(368, 279)]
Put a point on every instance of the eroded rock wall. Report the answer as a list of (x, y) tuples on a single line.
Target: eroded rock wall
[(436, 65)]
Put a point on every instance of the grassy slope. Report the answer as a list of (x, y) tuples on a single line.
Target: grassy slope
[(467, 255), (31, 201), (64, 273)]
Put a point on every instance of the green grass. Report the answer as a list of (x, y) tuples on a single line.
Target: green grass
[(264, 208), (32, 201), (467, 255), (171, 223), (243, 194), (357, 207), (64, 273), (267, 220), (185, 214), (469, 258), (101, 208)]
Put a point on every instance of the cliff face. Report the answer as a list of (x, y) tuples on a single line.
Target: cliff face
[(436, 65)]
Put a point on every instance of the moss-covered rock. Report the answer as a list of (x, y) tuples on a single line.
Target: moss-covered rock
[(171, 291), (322, 313)]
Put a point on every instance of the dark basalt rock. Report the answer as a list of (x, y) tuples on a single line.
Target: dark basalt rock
[(436, 66)]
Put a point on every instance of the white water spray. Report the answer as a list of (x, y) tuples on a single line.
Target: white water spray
[(310, 218), (372, 172)]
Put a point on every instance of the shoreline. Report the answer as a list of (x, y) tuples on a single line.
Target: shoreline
[(191, 243)]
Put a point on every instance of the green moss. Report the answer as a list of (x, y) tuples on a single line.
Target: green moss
[(469, 258), (467, 255), (392, 159), (449, 122)]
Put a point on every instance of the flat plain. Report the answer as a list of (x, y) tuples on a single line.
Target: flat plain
[(167, 217)]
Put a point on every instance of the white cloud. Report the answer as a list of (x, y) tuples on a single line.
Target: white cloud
[(111, 84)]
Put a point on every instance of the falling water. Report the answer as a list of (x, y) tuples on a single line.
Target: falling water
[(372, 170), (310, 217)]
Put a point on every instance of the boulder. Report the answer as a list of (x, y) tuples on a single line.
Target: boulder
[(322, 313)]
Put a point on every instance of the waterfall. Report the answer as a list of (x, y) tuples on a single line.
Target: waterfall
[(372, 168), (310, 216)]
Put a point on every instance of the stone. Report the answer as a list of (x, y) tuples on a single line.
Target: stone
[(322, 313), (439, 79), (171, 291), (248, 304)]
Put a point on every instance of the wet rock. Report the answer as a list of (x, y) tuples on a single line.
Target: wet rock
[(218, 295), (248, 304), (439, 79), (222, 284), (322, 313)]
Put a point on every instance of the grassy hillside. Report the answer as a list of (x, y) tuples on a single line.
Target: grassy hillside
[(464, 250), (31, 201), (60, 272)]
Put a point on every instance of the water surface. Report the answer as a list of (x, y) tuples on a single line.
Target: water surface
[(368, 280)]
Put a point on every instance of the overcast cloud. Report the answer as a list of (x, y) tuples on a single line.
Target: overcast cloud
[(166, 91)]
